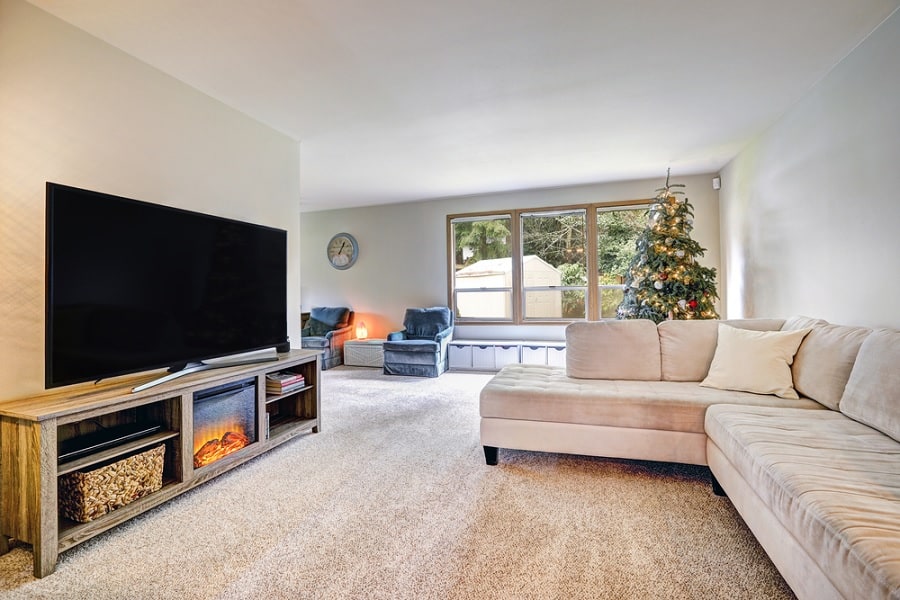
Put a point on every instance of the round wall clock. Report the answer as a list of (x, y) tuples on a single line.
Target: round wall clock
[(342, 251)]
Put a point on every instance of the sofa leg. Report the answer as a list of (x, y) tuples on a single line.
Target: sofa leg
[(490, 455), (717, 488)]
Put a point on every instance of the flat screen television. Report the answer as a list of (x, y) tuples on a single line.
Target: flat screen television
[(133, 286)]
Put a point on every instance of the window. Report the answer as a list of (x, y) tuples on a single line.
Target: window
[(542, 265), (617, 232), (554, 265), (482, 267)]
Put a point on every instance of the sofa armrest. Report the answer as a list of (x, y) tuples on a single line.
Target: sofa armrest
[(337, 337), (444, 335), (443, 339), (396, 336)]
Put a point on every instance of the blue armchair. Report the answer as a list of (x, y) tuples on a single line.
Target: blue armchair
[(327, 329), (420, 349)]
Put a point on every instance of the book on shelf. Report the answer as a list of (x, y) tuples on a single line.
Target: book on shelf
[(283, 389), (279, 383)]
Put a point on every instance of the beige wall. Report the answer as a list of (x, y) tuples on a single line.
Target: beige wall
[(810, 211), (76, 111), (403, 249)]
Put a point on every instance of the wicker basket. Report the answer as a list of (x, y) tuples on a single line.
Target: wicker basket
[(364, 353), (84, 496)]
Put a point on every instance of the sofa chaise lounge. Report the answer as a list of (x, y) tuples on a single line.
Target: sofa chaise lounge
[(810, 457)]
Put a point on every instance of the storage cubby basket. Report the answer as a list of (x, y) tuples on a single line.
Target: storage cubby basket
[(86, 495), (364, 354)]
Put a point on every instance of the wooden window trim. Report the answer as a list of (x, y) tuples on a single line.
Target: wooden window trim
[(515, 214)]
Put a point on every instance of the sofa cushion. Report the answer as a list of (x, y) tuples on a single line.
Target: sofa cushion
[(687, 347), (872, 395), (754, 361), (831, 482), (334, 317), (824, 360), (545, 393), (426, 323), (612, 349), (428, 346), (801, 322)]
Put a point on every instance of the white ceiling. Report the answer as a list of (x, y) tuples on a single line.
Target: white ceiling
[(398, 100)]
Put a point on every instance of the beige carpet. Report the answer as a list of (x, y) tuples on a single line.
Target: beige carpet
[(393, 500)]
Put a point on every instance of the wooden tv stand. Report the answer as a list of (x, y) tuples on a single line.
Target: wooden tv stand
[(31, 428)]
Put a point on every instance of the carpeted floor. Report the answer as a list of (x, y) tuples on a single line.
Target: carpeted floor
[(393, 500)]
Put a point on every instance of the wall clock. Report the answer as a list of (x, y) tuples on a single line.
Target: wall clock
[(342, 251)]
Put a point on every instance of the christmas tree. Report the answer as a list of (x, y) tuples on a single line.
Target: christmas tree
[(664, 280)]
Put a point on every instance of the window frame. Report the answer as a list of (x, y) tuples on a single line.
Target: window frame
[(592, 288), (451, 261), (525, 289)]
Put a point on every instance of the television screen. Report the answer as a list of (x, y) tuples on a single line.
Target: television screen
[(133, 286)]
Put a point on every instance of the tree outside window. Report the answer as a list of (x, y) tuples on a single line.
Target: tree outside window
[(617, 231), (554, 265), (482, 277), (554, 250)]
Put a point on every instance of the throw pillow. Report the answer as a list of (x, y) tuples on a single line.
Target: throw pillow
[(335, 317), (318, 328), (755, 361)]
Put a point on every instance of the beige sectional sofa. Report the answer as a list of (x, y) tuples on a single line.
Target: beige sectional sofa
[(810, 458)]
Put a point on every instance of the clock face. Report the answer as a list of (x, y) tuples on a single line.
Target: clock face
[(342, 251)]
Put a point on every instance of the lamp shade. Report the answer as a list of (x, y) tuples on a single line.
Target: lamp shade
[(361, 331)]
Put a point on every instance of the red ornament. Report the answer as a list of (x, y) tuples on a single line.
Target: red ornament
[(663, 276), (692, 304)]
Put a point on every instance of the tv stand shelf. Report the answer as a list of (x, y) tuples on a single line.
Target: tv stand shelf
[(32, 429), (115, 452)]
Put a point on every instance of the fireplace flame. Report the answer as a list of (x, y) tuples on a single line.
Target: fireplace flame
[(220, 441)]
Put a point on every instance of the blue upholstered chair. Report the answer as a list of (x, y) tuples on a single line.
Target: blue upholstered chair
[(327, 329), (420, 349)]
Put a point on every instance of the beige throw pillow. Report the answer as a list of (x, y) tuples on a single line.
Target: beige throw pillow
[(755, 361)]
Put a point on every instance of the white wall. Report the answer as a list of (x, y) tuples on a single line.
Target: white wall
[(810, 210), (403, 249), (75, 110)]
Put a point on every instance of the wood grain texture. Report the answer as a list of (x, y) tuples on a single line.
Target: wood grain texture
[(19, 487), (45, 530), (78, 402), (30, 427)]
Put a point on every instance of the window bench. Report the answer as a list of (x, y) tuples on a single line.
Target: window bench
[(493, 355)]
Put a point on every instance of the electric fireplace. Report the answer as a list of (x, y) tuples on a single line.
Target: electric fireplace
[(224, 421)]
